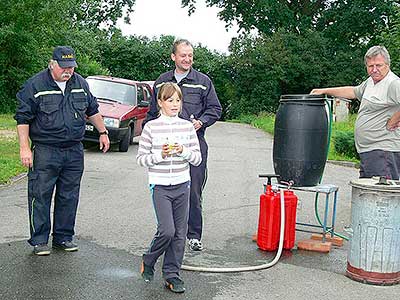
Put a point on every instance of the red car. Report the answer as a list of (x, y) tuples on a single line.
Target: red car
[(123, 104)]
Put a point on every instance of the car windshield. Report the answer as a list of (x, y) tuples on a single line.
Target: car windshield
[(114, 91)]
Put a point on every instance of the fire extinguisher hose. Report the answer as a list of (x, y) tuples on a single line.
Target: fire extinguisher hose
[(248, 268)]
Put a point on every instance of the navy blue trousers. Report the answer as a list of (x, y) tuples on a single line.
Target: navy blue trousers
[(380, 163), (198, 177), (171, 205), (58, 169)]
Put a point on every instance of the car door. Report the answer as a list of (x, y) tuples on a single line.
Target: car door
[(143, 98)]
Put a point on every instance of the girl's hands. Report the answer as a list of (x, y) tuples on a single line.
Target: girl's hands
[(169, 149), (178, 148), (165, 151)]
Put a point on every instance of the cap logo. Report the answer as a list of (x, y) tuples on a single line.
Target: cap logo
[(67, 56)]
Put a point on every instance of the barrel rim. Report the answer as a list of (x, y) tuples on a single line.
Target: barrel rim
[(367, 184), (304, 97), (375, 278), (304, 102)]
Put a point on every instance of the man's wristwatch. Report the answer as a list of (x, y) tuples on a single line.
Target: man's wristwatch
[(104, 132)]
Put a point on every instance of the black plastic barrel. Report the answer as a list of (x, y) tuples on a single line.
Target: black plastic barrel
[(301, 139)]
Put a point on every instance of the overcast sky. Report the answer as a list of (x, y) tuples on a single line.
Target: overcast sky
[(155, 17)]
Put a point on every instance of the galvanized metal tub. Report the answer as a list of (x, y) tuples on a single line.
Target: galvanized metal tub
[(374, 252)]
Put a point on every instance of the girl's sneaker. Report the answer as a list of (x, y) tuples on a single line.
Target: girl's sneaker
[(175, 284), (147, 272)]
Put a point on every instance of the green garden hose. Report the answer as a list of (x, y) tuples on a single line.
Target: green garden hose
[(327, 153)]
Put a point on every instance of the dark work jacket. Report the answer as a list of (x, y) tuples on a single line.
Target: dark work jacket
[(199, 98), (53, 118)]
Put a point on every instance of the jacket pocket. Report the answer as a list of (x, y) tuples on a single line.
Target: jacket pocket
[(80, 104), (50, 112), (32, 184), (79, 107), (192, 97), (192, 104)]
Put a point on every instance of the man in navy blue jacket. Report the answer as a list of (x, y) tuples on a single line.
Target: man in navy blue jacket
[(202, 107), (51, 119)]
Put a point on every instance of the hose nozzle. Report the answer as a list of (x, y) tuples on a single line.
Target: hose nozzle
[(287, 183)]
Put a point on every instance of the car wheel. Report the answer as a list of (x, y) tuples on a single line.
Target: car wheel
[(124, 143), (132, 135)]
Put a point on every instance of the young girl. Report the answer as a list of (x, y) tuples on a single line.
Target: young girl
[(167, 145)]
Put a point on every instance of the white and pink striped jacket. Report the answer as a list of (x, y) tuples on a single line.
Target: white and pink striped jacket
[(173, 169)]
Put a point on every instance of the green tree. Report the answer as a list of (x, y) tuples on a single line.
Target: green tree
[(29, 29), (22, 40), (391, 39), (265, 67), (353, 24), (95, 13), (256, 65), (350, 21), (137, 58), (267, 16)]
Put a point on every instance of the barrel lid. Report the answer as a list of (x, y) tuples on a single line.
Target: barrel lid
[(303, 97), (377, 184)]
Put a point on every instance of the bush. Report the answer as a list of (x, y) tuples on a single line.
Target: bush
[(88, 66), (344, 144), (247, 119), (265, 121)]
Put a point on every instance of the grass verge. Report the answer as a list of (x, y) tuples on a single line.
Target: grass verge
[(10, 164)]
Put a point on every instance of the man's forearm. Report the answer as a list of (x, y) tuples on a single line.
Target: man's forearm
[(97, 121), (342, 92), (23, 136), (25, 152)]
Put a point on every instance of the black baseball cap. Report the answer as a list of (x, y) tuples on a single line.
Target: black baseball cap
[(65, 56)]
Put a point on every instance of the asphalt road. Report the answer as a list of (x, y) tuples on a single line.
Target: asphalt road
[(115, 224)]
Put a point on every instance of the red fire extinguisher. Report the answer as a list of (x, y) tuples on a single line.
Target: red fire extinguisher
[(270, 215)]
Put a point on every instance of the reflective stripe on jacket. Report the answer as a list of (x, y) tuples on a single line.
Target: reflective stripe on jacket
[(54, 118)]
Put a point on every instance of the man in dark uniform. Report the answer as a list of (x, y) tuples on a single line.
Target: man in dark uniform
[(52, 111), (202, 107)]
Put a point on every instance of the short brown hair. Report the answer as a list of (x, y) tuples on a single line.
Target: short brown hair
[(167, 90), (177, 42)]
